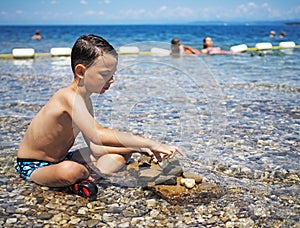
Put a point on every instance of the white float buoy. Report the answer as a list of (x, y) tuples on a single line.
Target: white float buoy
[(160, 51), (22, 53), (264, 46), (129, 50), (239, 48), (287, 44), (60, 51)]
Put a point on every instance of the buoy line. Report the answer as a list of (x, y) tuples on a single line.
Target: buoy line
[(24, 53)]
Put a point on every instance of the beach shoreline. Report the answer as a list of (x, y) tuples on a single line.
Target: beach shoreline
[(238, 125)]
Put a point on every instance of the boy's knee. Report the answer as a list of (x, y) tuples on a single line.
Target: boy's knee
[(118, 159), (110, 163), (72, 172)]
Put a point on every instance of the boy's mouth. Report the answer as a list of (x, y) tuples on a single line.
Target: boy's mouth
[(106, 87)]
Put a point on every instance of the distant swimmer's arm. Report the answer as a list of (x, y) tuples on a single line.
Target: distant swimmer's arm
[(193, 51)]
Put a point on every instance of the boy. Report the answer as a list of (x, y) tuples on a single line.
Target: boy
[(43, 155)]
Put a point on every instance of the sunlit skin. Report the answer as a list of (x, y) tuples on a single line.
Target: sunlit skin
[(178, 49), (69, 111), (209, 42)]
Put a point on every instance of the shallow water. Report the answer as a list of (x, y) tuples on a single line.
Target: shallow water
[(206, 95), (237, 118)]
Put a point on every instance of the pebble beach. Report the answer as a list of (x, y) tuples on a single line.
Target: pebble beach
[(238, 126)]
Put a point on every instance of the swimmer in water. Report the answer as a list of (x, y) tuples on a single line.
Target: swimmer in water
[(178, 49), (208, 47)]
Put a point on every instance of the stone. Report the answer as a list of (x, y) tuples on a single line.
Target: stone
[(11, 209), (11, 220), (44, 216), (166, 180), (124, 225), (154, 213), (148, 175), (212, 220), (172, 167), (151, 203), (187, 182), (74, 221), (82, 211), (22, 210), (169, 191), (3, 180), (57, 218), (114, 208), (230, 224), (173, 170), (246, 222), (197, 178), (201, 193), (107, 217), (92, 222)]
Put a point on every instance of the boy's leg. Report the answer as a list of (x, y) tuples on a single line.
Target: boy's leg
[(62, 174), (111, 163), (84, 156), (107, 164)]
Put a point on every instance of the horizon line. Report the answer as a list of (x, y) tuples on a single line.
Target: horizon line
[(158, 23)]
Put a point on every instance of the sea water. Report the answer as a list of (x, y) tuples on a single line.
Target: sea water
[(226, 112)]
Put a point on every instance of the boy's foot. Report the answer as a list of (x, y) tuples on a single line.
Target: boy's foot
[(85, 188)]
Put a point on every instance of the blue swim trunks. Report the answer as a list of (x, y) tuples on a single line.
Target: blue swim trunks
[(25, 166)]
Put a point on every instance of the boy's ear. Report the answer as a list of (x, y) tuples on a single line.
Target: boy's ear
[(80, 70)]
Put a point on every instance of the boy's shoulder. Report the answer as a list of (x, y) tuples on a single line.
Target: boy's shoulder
[(64, 96), (66, 92)]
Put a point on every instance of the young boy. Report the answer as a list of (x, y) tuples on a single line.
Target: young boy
[(43, 155)]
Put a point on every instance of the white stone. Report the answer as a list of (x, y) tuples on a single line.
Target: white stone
[(11, 220), (151, 203), (187, 182)]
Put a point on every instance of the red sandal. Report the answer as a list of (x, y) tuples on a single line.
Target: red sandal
[(85, 188)]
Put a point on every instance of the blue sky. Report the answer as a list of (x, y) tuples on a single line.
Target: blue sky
[(144, 11)]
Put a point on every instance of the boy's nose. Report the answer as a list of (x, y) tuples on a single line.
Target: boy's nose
[(111, 80)]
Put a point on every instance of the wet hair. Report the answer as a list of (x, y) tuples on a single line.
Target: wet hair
[(88, 48), (175, 41), (175, 44), (204, 43)]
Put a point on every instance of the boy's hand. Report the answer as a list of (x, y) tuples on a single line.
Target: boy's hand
[(164, 151), (147, 152)]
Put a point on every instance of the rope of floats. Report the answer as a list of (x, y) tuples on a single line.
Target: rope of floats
[(24, 53)]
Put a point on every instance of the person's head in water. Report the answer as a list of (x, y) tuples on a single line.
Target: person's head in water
[(207, 42), (37, 35)]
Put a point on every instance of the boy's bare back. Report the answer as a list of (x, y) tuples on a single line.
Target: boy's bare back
[(51, 133)]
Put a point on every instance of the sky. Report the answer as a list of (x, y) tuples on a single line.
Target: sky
[(39, 12)]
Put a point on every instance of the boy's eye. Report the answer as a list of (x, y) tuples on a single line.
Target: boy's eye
[(106, 76)]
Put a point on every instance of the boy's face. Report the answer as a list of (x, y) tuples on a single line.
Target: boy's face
[(99, 76)]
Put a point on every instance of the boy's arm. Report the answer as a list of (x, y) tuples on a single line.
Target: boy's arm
[(102, 150), (99, 135)]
